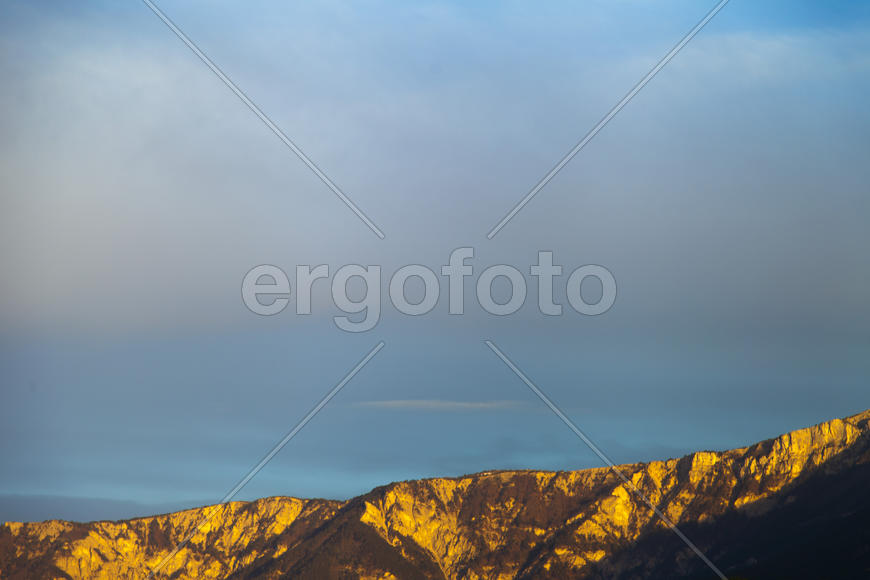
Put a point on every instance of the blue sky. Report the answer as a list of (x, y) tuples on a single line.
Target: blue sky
[(728, 199)]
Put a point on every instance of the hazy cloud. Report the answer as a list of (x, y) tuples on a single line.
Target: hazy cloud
[(440, 405), (728, 199)]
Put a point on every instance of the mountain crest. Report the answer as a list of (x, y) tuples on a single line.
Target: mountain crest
[(500, 524)]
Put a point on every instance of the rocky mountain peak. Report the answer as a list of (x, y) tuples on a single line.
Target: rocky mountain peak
[(498, 524)]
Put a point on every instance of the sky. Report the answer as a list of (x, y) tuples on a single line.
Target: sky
[(728, 199)]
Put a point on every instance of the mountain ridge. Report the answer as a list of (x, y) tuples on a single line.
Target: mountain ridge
[(492, 524)]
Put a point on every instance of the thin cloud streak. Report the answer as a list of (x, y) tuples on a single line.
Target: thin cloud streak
[(441, 405)]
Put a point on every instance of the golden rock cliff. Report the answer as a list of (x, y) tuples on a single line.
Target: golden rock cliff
[(751, 510)]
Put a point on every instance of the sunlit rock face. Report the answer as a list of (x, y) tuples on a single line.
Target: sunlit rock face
[(788, 507)]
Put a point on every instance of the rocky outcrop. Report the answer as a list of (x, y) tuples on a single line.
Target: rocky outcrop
[(504, 524)]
